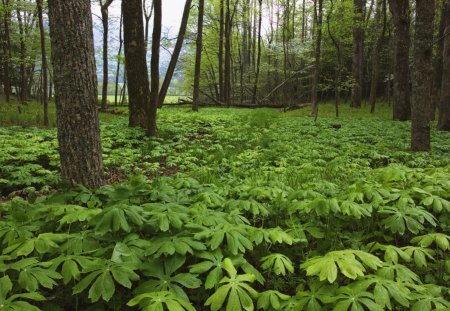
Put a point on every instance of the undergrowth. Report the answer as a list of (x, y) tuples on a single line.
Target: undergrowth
[(230, 210)]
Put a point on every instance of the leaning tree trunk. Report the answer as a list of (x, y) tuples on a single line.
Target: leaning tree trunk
[(358, 52), (402, 41), (444, 110), (44, 61), (76, 92), (135, 63), (156, 43), (198, 56), (422, 79), (175, 54), (105, 23)]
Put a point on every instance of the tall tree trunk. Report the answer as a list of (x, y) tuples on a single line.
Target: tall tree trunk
[(380, 10), (147, 15), (227, 71), (438, 63), (119, 55), (6, 49), (156, 43), (44, 61), (105, 23), (77, 116), (422, 79), (318, 15), (444, 110), (23, 54), (402, 42), (198, 56), (258, 61), (358, 52), (136, 63), (175, 54), (220, 56)]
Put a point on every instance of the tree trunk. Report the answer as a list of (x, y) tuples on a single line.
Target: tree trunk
[(227, 71), (358, 52), (258, 61), (438, 63), (76, 92), (444, 110), (318, 15), (220, 56), (422, 79), (198, 56), (44, 61), (105, 23), (402, 40), (380, 10), (119, 55), (6, 50), (23, 54), (175, 54), (136, 63), (156, 43)]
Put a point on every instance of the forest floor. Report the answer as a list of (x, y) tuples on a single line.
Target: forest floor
[(285, 205)]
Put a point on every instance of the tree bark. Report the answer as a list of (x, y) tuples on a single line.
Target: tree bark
[(198, 56), (175, 54), (422, 79), (220, 56), (76, 92), (318, 15), (6, 50), (358, 52), (136, 63), (258, 60), (438, 63), (444, 110), (105, 23), (22, 95), (44, 61), (227, 69), (156, 43), (402, 41), (380, 10)]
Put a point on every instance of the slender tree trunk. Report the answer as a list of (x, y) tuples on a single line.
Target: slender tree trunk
[(77, 116), (258, 61), (6, 49), (105, 23), (175, 54), (358, 53), (438, 64), (402, 42), (44, 61), (156, 43), (318, 15), (136, 63), (444, 110), (198, 56), (119, 55), (380, 10), (220, 56), (147, 16), (422, 79), (23, 54), (227, 71), (340, 59)]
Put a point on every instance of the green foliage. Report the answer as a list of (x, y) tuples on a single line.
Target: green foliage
[(231, 210)]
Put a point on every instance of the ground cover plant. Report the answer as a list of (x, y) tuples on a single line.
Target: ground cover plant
[(230, 210)]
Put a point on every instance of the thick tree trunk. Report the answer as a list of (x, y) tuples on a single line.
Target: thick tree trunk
[(198, 56), (318, 15), (105, 23), (444, 110), (175, 54), (156, 43), (76, 92), (402, 41), (136, 63), (44, 61), (358, 52), (422, 79)]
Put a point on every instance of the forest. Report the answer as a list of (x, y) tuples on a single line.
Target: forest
[(258, 155)]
